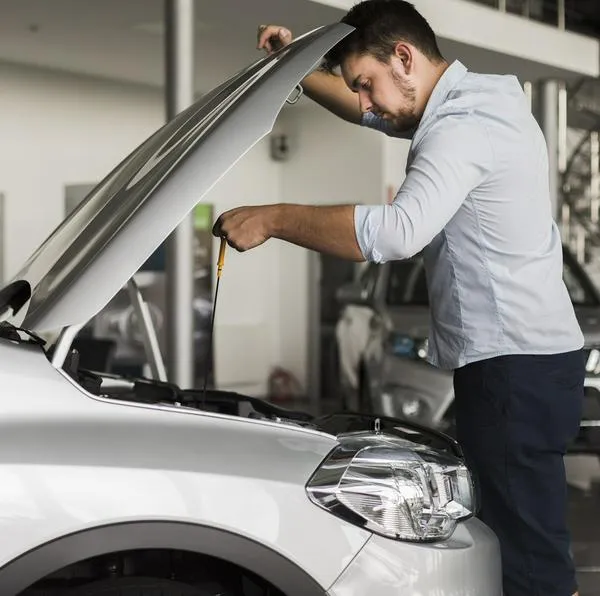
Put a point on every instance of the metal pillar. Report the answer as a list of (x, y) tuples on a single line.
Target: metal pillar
[(553, 120), (313, 385), (179, 54), (595, 177), (2, 238), (151, 346), (561, 20), (528, 90)]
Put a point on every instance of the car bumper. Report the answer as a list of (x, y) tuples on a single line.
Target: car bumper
[(468, 564)]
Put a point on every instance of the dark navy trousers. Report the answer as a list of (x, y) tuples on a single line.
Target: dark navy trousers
[(515, 416)]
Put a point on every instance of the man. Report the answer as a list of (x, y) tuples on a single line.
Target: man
[(476, 199)]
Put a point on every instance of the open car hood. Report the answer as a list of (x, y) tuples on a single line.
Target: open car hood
[(118, 226)]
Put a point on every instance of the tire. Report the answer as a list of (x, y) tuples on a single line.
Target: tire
[(136, 586)]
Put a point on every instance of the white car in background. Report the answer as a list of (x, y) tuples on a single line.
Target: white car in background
[(382, 347), (113, 486)]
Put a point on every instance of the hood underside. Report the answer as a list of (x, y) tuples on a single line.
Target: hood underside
[(118, 226)]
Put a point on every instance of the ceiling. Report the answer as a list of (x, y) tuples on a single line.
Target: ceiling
[(123, 40)]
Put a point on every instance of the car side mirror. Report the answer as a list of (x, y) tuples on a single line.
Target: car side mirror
[(352, 294)]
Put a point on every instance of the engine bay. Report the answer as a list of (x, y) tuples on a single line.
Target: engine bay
[(153, 392)]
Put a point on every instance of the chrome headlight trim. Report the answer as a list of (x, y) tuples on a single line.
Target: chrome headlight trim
[(394, 487)]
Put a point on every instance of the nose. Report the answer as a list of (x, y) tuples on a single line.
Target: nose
[(364, 102)]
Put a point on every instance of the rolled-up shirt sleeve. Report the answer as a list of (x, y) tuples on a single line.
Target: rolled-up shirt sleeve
[(449, 162)]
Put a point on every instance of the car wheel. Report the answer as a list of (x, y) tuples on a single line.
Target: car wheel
[(136, 586)]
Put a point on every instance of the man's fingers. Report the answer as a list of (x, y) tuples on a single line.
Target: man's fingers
[(218, 229), (260, 37), (234, 243), (273, 37), (220, 233), (264, 34), (236, 246)]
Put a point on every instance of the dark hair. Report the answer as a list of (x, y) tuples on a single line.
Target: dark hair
[(379, 26)]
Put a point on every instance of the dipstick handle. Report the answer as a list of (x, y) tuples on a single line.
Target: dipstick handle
[(221, 260)]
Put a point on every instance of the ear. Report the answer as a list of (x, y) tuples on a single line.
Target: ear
[(405, 53)]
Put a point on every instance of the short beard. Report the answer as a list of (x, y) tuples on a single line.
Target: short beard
[(409, 121)]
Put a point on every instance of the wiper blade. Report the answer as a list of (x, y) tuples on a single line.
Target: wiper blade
[(13, 333), (14, 296)]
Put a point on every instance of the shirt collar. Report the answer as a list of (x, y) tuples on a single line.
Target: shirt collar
[(447, 82)]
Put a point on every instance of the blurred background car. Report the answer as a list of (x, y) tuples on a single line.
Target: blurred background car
[(382, 347)]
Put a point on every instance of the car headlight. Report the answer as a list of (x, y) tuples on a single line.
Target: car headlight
[(412, 407), (404, 401), (394, 487), (405, 346)]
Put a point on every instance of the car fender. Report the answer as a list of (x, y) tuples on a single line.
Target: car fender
[(244, 552), (70, 461)]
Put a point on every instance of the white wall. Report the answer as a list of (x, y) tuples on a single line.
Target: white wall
[(248, 335), (55, 130), (395, 154), (58, 129), (331, 162)]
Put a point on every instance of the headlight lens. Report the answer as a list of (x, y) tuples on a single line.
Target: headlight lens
[(405, 346), (412, 407), (404, 402), (394, 487)]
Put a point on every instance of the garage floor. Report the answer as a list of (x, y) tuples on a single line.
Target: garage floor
[(584, 508)]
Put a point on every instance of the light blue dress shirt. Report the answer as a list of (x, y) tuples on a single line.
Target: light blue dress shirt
[(476, 198)]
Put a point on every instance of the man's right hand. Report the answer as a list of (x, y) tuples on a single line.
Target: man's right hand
[(273, 37), (326, 89)]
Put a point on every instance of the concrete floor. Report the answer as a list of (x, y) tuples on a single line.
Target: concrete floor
[(584, 523)]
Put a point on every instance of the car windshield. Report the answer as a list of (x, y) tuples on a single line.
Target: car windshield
[(407, 284)]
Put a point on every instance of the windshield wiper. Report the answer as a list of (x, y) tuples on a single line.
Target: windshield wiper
[(14, 296), (13, 333)]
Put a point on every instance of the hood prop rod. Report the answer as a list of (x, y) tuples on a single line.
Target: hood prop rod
[(149, 337)]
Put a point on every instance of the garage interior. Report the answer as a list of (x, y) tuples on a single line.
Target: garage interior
[(84, 83)]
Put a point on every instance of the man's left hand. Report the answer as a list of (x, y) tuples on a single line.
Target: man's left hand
[(326, 229), (245, 227)]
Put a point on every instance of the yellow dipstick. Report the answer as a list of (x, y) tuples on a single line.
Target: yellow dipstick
[(220, 264), (221, 261)]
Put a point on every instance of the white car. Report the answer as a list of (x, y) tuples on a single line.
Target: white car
[(133, 487), (382, 347)]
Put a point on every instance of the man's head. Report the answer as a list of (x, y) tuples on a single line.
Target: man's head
[(391, 60)]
